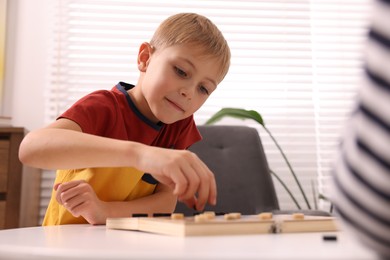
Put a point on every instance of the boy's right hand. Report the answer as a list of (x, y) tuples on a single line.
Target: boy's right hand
[(191, 180)]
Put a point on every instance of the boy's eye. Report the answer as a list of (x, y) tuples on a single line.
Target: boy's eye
[(204, 90), (180, 72)]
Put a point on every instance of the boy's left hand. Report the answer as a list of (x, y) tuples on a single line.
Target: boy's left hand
[(80, 199)]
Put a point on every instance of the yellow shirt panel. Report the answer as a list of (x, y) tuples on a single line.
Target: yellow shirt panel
[(110, 184)]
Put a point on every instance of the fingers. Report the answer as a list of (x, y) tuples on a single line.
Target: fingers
[(192, 182), (200, 181), (66, 191), (75, 205), (208, 189), (79, 198), (190, 203), (56, 186), (177, 181)]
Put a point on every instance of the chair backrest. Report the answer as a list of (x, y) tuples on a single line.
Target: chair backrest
[(236, 157)]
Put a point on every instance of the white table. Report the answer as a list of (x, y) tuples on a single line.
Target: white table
[(97, 242)]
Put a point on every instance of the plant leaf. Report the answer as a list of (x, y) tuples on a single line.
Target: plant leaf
[(236, 113), (254, 115)]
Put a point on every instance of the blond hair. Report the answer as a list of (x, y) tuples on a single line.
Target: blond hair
[(194, 29)]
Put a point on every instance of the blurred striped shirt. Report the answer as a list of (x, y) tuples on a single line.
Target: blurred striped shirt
[(362, 173)]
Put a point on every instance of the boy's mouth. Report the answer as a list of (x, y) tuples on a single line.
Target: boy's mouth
[(175, 105)]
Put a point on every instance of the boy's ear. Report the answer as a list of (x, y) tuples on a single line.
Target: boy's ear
[(144, 55)]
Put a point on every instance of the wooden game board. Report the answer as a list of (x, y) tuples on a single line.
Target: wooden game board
[(246, 224)]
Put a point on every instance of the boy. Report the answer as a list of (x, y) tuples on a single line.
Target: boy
[(108, 142)]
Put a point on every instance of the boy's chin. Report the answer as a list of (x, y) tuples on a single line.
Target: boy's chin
[(168, 121)]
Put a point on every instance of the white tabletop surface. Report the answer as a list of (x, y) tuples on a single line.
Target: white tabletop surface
[(97, 242)]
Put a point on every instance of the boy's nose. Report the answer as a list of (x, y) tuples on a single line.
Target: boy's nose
[(186, 92)]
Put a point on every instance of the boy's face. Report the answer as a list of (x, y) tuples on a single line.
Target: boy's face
[(174, 82)]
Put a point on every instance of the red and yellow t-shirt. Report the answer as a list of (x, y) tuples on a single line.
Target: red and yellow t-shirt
[(112, 114)]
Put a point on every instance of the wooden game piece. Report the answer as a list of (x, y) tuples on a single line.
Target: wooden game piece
[(236, 215), (227, 216), (177, 216), (139, 215), (156, 215), (265, 215), (329, 237), (298, 216), (209, 214), (233, 215), (201, 218)]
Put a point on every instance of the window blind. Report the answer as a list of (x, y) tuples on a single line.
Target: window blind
[(297, 62)]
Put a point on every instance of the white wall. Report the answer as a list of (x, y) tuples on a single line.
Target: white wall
[(25, 73), (26, 62)]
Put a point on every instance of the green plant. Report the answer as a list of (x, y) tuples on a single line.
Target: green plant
[(254, 115)]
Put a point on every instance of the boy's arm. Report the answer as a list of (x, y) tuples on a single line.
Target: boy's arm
[(79, 199), (62, 145)]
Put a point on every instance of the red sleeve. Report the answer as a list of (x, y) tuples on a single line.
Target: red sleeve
[(94, 113)]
